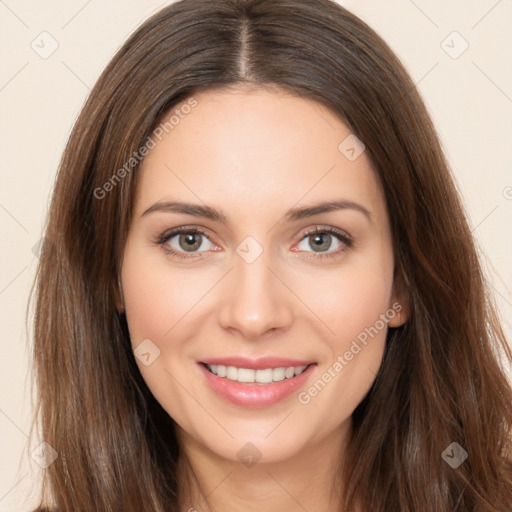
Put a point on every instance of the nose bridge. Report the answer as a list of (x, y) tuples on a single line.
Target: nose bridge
[(257, 300)]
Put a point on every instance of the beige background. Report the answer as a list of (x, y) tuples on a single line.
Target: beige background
[(470, 99)]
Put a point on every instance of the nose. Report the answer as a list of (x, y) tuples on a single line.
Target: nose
[(256, 299)]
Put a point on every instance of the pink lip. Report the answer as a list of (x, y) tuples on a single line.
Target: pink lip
[(255, 395), (256, 364)]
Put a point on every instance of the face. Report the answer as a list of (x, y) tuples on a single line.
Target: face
[(255, 274)]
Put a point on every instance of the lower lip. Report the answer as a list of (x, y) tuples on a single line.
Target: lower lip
[(255, 395)]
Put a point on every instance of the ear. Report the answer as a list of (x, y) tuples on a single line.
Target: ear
[(119, 298), (400, 301)]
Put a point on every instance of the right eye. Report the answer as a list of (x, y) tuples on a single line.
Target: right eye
[(188, 240)]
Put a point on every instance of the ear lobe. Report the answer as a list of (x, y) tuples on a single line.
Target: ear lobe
[(119, 298), (400, 302)]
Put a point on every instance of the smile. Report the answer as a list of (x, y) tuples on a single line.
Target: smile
[(249, 375), (266, 384)]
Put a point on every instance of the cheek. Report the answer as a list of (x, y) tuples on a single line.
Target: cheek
[(357, 316), (155, 297), (351, 298), (358, 304), (156, 304), (354, 306)]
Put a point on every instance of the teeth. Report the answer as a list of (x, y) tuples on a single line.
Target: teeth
[(299, 370), (264, 376), (259, 376), (245, 375), (232, 373), (278, 374)]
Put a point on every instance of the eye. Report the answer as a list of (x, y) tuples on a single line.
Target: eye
[(188, 240), (321, 240)]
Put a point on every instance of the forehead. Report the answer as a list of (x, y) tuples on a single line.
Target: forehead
[(253, 149)]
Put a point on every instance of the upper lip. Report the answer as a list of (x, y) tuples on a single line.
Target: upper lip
[(256, 364)]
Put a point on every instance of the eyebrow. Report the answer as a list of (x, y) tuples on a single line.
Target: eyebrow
[(293, 214)]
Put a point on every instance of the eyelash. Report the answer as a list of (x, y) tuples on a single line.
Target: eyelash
[(342, 236)]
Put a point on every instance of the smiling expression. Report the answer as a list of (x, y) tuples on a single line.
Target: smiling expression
[(284, 257)]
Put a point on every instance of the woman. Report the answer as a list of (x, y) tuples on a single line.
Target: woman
[(258, 289)]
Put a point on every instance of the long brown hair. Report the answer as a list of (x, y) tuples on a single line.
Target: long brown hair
[(440, 381)]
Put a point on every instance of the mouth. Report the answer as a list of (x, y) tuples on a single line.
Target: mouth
[(256, 376), (261, 385)]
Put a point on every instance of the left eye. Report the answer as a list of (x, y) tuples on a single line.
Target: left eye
[(320, 241)]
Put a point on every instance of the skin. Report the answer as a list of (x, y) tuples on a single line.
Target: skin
[(253, 154)]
